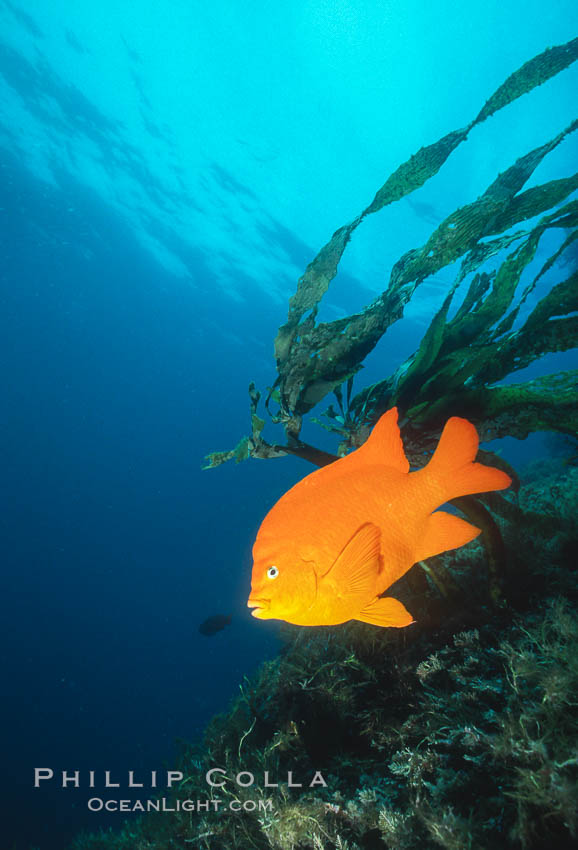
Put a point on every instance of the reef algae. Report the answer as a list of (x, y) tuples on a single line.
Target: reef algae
[(460, 732)]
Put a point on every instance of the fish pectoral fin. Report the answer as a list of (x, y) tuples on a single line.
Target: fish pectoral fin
[(355, 570), (386, 611), (444, 531)]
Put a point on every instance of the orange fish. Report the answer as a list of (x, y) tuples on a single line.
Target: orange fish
[(335, 542)]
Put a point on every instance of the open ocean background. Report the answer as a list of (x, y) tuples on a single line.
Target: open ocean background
[(167, 172)]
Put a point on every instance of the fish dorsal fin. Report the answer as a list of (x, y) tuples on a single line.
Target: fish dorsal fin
[(386, 611), (355, 570), (443, 532), (384, 445)]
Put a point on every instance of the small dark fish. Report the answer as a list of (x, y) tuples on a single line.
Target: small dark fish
[(214, 624)]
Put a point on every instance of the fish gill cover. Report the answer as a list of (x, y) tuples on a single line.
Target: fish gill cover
[(460, 732)]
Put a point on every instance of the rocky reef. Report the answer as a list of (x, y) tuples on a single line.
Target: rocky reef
[(458, 732)]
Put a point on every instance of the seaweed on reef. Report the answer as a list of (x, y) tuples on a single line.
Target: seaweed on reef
[(460, 736)]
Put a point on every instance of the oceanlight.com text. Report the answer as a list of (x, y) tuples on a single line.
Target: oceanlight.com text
[(97, 804)]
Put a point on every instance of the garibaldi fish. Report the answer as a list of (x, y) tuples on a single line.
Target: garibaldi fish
[(338, 539)]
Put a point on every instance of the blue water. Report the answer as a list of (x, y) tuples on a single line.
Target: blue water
[(165, 180)]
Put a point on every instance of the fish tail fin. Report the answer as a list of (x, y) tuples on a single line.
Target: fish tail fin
[(452, 466)]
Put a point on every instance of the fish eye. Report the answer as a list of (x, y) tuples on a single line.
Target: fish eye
[(272, 572)]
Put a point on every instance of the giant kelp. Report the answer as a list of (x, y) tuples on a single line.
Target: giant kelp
[(460, 362)]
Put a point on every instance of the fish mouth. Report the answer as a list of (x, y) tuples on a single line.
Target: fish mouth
[(259, 606)]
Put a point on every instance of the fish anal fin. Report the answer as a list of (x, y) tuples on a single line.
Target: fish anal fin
[(355, 571), (386, 611), (443, 532), (384, 446)]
